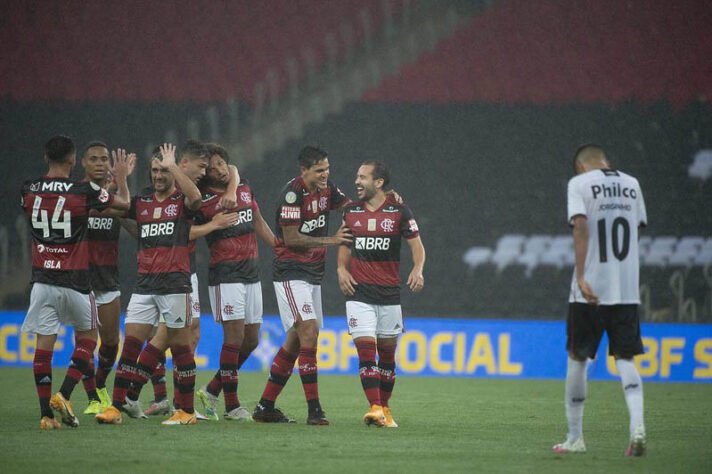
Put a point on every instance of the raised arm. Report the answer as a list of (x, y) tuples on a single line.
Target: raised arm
[(119, 170), (262, 229), (295, 239), (416, 281), (187, 187), (580, 232), (346, 280)]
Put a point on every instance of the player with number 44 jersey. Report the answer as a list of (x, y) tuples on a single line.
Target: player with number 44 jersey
[(58, 210), (606, 211)]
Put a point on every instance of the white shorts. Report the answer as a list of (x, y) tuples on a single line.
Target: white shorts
[(371, 320), (148, 309), (105, 297), (298, 301), (195, 296), (52, 305), (233, 301)]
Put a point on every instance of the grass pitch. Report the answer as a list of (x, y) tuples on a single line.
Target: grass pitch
[(446, 425)]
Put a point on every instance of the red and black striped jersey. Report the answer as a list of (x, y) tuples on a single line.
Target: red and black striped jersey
[(191, 246), (103, 237), (58, 209), (375, 253), (233, 251), (163, 234), (297, 206)]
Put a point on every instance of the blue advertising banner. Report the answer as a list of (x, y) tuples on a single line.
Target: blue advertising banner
[(438, 347)]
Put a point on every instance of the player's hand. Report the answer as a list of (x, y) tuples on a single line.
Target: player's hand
[(168, 154), (228, 200), (416, 281), (587, 292), (131, 160), (223, 220), (120, 167), (394, 196), (346, 281), (342, 236)]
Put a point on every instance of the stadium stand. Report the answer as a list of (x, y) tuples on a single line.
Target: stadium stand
[(182, 50), (573, 52)]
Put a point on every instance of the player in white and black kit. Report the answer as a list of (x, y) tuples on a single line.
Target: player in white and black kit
[(606, 210), (369, 277), (58, 209)]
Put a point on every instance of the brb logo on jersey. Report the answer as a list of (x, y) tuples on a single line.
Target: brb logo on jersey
[(373, 243), (156, 229), (101, 223), (313, 224), (244, 216)]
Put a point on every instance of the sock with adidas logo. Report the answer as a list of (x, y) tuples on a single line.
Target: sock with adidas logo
[(42, 368)]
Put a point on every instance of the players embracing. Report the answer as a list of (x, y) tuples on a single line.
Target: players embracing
[(368, 275), (234, 284)]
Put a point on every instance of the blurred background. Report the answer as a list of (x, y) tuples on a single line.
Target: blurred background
[(477, 106)]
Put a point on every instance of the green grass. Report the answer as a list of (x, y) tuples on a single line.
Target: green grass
[(446, 425)]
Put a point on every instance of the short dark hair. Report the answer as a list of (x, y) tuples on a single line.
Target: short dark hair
[(380, 171), (216, 149), (587, 147), (59, 148), (193, 149), (92, 144), (311, 155)]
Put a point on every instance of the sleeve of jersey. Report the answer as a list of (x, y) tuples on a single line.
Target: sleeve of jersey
[(642, 213), (574, 200), (290, 209), (408, 225), (338, 198), (98, 197)]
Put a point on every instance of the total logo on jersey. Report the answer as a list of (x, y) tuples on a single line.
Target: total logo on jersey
[(373, 243), (157, 228), (313, 224), (614, 190), (41, 248)]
